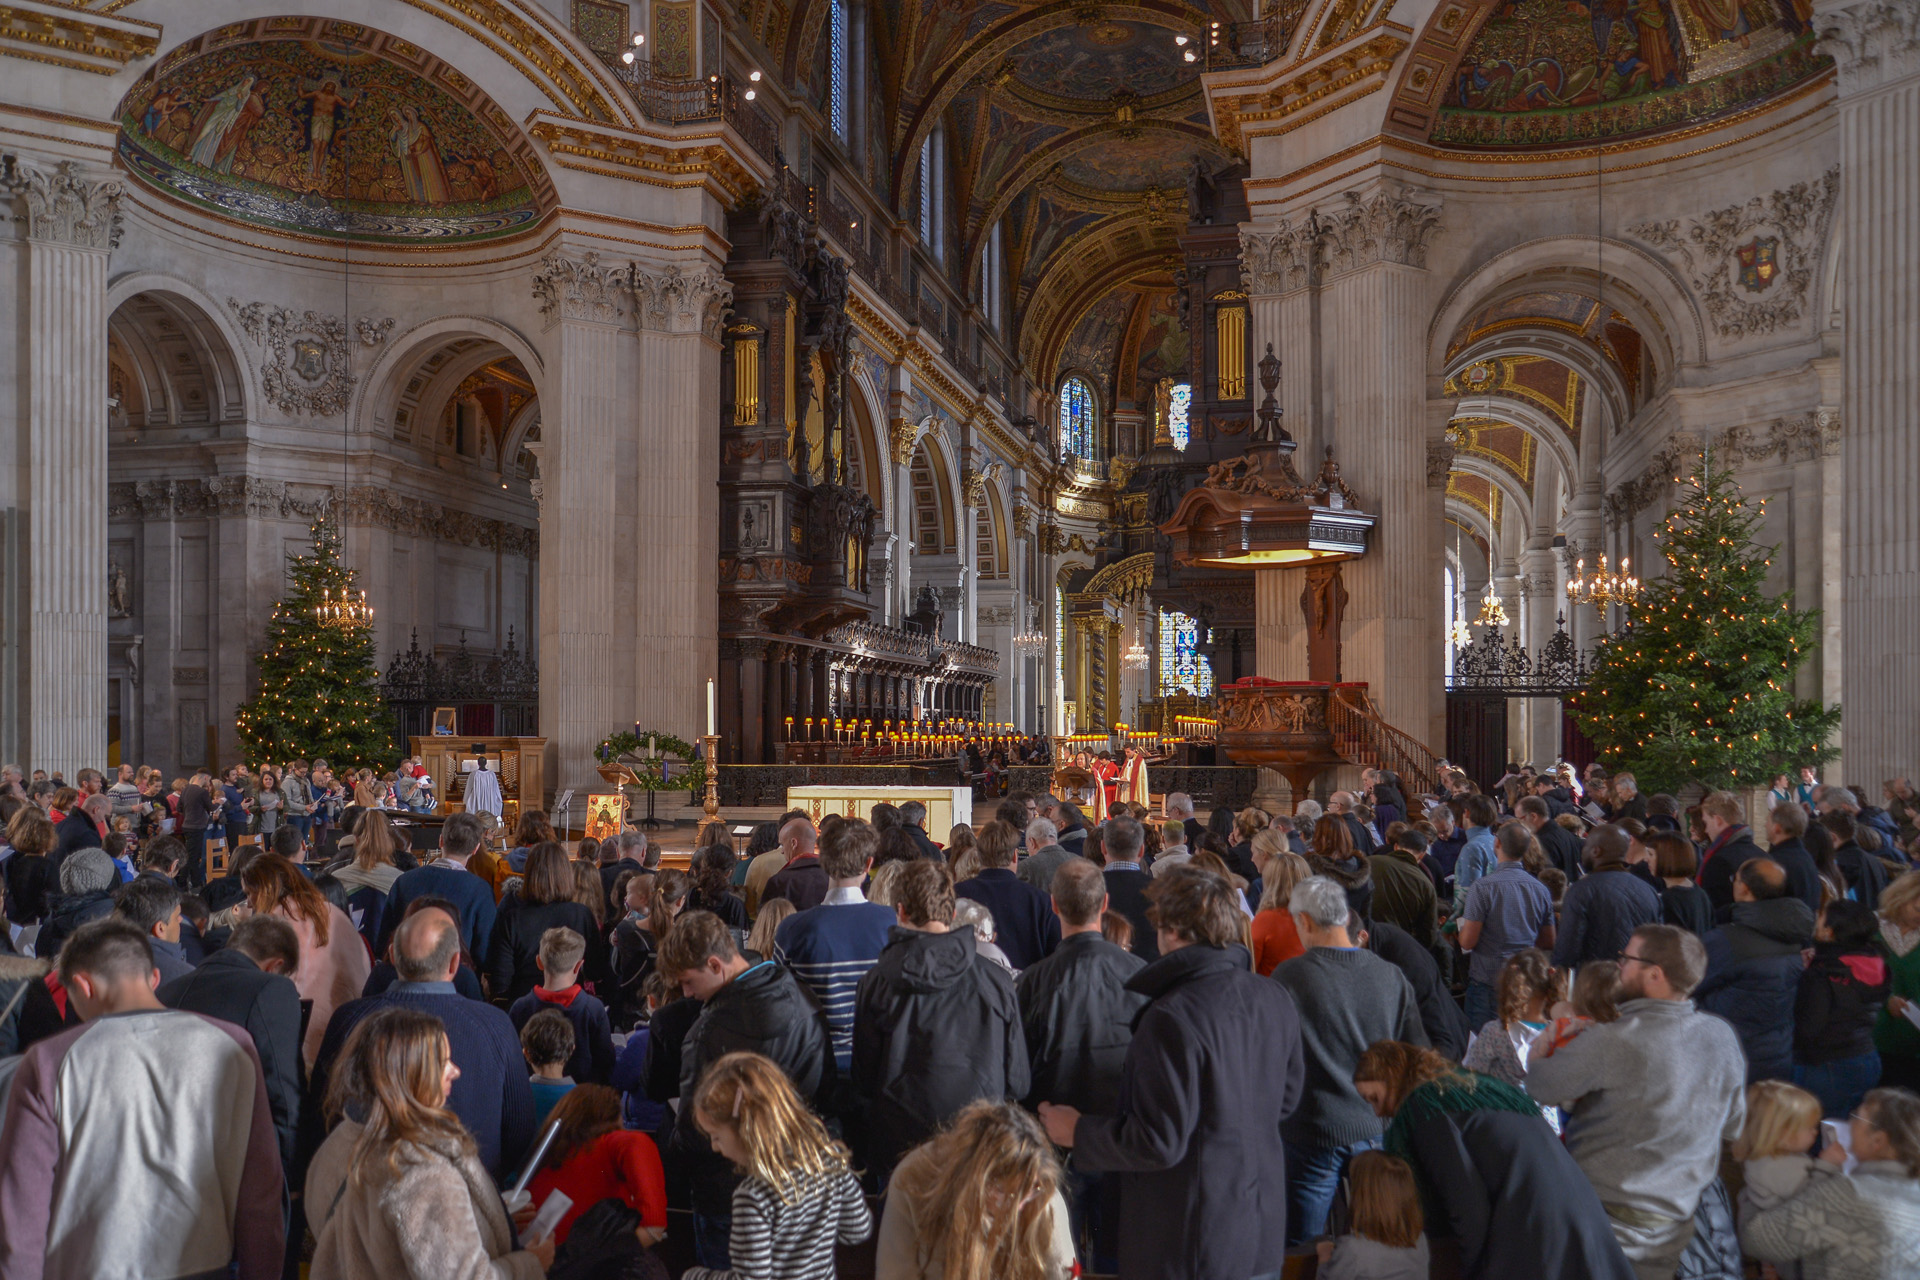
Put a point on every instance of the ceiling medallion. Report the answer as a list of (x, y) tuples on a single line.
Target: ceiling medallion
[(1109, 35), (1480, 376)]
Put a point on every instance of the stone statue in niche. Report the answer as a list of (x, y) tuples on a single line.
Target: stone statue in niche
[(119, 592), (1199, 192)]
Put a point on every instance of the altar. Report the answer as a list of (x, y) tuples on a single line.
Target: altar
[(946, 806)]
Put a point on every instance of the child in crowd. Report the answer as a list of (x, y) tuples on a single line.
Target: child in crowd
[(799, 1196), (1841, 992), (1775, 1151), (1528, 986), (547, 1041), (561, 953), (119, 848), (639, 1111), (593, 1159), (1386, 1242), (1117, 929), (766, 925)]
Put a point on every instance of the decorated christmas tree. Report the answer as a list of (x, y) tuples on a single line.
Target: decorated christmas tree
[(1700, 688), (319, 689)]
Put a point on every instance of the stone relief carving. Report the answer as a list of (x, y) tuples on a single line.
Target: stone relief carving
[(1799, 438), (1387, 226), (904, 435), (257, 497), (1439, 463), (1753, 263), (65, 206), (676, 300), (1277, 261), (305, 366), (373, 332), (578, 288), (1870, 41)]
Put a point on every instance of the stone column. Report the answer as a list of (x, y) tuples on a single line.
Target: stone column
[(1278, 270), (1539, 585), (1876, 46), (586, 685), (678, 496), (1373, 314), (73, 224)]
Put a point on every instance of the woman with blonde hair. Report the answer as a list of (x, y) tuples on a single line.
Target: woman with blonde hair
[(880, 888), (1275, 939), (798, 1196), (961, 841), (399, 1190), (767, 924), (334, 962), (980, 1201), (369, 877)]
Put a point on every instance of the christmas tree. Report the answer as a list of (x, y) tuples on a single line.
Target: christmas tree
[(1700, 688), (319, 689)]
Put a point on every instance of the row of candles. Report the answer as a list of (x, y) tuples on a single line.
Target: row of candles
[(909, 737)]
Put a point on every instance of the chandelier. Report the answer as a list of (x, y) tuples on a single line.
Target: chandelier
[(1603, 587), (343, 611), (1136, 657), (1492, 612), (1458, 635), (1031, 641)]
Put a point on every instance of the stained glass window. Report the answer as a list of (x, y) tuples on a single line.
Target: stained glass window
[(1076, 418), (1182, 668), (837, 65), (1178, 403)]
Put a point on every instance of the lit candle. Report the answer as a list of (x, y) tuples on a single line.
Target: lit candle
[(711, 707)]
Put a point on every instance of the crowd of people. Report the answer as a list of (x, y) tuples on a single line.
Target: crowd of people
[(1555, 1029)]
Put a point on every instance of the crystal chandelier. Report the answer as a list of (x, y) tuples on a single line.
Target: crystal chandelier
[(1492, 612), (1031, 641), (344, 610), (1458, 635), (1603, 587), (1136, 658)]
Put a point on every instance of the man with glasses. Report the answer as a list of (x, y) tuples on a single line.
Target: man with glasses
[(1651, 1095)]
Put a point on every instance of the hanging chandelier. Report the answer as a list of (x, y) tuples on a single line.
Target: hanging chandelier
[(1031, 641), (344, 610), (1603, 587), (1136, 658), (1492, 612), (1458, 635)]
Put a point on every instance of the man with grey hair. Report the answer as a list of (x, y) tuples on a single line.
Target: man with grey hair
[(1348, 998), (491, 1096), (447, 877), (1305, 814), (622, 851), (87, 881), (1044, 855), (1340, 805), (12, 779), (913, 821), (1179, 807)]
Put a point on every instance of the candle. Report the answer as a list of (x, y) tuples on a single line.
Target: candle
[(710, 709), (652, 753)]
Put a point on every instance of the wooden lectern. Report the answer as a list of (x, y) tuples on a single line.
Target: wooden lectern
[(520, 764)]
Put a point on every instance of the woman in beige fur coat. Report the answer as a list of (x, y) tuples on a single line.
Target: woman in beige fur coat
[(401, 1192)]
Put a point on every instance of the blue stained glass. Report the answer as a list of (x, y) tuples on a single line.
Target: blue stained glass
[(1178, 403), (1076, 418), (1182, 667)]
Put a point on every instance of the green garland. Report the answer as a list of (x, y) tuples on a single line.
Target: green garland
[(627, 747)]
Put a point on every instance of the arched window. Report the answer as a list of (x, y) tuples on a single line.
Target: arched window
[(1179, 401), (1182, 668), (1077, 434), (837, 46)]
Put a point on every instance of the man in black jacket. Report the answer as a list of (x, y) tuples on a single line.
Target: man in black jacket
[(935, 1025), (80, 829), (1078, 1016), (1730, 844), (1120, 844), (1561, 846), (1214, 1067), (750, 1008), (913, 821), (248, 983), (1786, 845), (1440, 1014), (1754, 965)]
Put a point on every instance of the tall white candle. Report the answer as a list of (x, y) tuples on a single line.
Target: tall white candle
[(710, 708)]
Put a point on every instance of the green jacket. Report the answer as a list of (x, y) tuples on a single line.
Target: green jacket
[(1891, 1034)]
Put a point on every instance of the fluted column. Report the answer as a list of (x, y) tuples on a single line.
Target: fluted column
[(1373, 313), (1876, 46), (72, 225), (586, 688), (1278, 269), (678, 495)]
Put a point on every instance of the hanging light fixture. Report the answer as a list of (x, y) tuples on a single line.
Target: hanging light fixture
[(345, 610), (1457, 634), (1603, 587), (1492, 612), (1031, 641), (1136, 658)]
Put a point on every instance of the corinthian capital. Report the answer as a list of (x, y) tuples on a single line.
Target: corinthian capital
[(65, 206), (1276, 261), (577, 288), (1387, 226), (676, 300), (1872, 42)]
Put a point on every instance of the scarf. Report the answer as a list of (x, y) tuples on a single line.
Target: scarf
[(1898, 940), (1456, 1093)]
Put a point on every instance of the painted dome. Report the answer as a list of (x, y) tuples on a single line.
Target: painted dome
[(1548, 73), (330, 129)]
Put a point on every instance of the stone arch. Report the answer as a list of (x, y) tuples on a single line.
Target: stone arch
[(199, 326), (994, 555), (1547, 434), (876, 460), (1518, 500), (1648, 284)]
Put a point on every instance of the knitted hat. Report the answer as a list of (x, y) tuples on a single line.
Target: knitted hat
[(87, 871)]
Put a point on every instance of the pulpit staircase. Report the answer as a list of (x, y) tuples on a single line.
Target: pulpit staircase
[(1363, 738)]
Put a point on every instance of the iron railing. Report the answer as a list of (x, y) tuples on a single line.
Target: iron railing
[(682, 100), (1492, 667), (1256, 43)]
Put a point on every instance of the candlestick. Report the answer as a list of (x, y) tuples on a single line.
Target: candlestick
[(710, 811), (712, 719)]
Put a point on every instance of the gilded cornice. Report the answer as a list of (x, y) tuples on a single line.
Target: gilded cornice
[(679, 160), (1059, 108), (1256, 106), (69, 35), (525, 37)]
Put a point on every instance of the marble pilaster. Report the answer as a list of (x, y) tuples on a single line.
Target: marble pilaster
[(1875, 44), (72, 222)]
